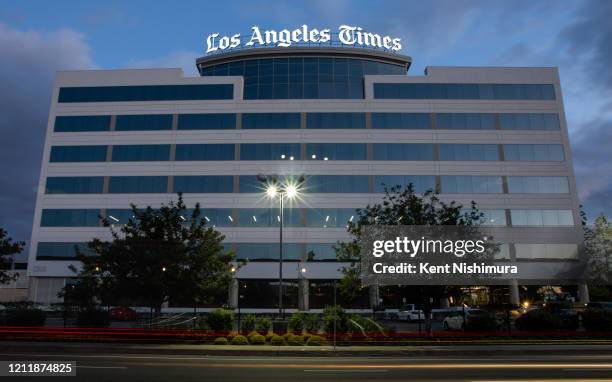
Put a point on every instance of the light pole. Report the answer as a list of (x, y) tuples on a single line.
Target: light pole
[(274, 189)]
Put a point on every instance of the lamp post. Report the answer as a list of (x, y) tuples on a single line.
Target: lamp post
[(290, 190)]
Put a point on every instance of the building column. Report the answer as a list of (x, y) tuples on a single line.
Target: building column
[(514, 293), (374, 291), (303, 294), (232, 299), (583, 293)]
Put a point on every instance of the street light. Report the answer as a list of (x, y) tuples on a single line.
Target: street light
[(290, 190)]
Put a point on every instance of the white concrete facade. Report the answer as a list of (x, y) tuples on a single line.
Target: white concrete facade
[(48, 276)]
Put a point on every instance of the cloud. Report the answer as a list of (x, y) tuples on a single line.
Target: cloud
[(28, 64), (179, 59)]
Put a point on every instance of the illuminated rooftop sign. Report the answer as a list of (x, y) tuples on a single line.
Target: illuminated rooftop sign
[(346, 35)]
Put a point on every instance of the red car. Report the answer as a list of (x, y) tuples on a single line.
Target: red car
[(122, 313)]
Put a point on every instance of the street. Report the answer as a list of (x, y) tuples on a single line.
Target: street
[(169, 366)]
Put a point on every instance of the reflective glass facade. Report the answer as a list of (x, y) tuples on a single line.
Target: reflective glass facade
[(402, 151), (70, 218), (401, 121), (302, 77), (465, 184), (420, 183), (141, 153), (527, 152), (542, 218), (532, 121), (270, 151), (335, 121), (468, 152), (205, 152), (78, 154), (464, 91), (215, 121), (271, 120), (336, 151), (465, 121), (72, 124), (137, 184), (538, 185), (203, 184), (144, 122), (75, 185)]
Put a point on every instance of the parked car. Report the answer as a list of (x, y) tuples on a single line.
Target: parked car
[(604, 305), (410, 313), (122, 313), (455, 320)]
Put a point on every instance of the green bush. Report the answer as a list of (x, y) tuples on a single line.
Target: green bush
[(93, 318), (296, 340), (296, 322), (221, 341), (315, 341), (311, 323), (597, 320), (481, 323), (248, 324), (538, 321), (25, 317), (257, 339), (239, 340), (277, 340), (263, 325), (341, 320), (269, 336), (287, 335), (220, 320)]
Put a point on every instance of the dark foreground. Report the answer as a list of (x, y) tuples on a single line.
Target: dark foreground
[(104, 364)]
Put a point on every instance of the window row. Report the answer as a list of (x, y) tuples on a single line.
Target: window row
[(449, 184), (464, 91), (145, 93), (314, 151), (66, 251), (294, 217), (224, 121)]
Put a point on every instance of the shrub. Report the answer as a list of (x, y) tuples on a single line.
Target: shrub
[(263, 325), (257, 339), (25, 317), (239, 340), (248, 324), (277, 340), (231, 335), (296, 322), (597, 320), (93, 318), (341, 320), (315, 341), (538, 320), (296, 340), (270, 335), (482, 323), (249, 335), (311, 323), (287, 335), (220, 320), (221, 341)]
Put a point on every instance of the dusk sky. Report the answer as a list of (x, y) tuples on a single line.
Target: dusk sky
[(37, 38)]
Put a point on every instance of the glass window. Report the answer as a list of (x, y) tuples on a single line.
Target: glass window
[(144, 122), (401, 121), (141, 153), (206, 121), (270, 121), (538, 185), (119, 216), (270, 151), (491, 218), (466, 184), (70, 218), (528, 152), (78, 154), (329, 217), (542, 218), (465, 121), (257, 293), (203, 184), (320, 252), (335, 120), (75, 185), (267, 251), (403, 151), (532, 121), (138, 184), (420, 183), (82, 123), (546, 251), (336, 151), (337, 183), (465, 152), (464, 91), (145, 93), (217, 217), (58, 251), (205, 152), (269, 217)]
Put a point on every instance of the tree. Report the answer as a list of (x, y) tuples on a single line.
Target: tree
[(158, 255), (8, 248), (403, 206), (598, 247)]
